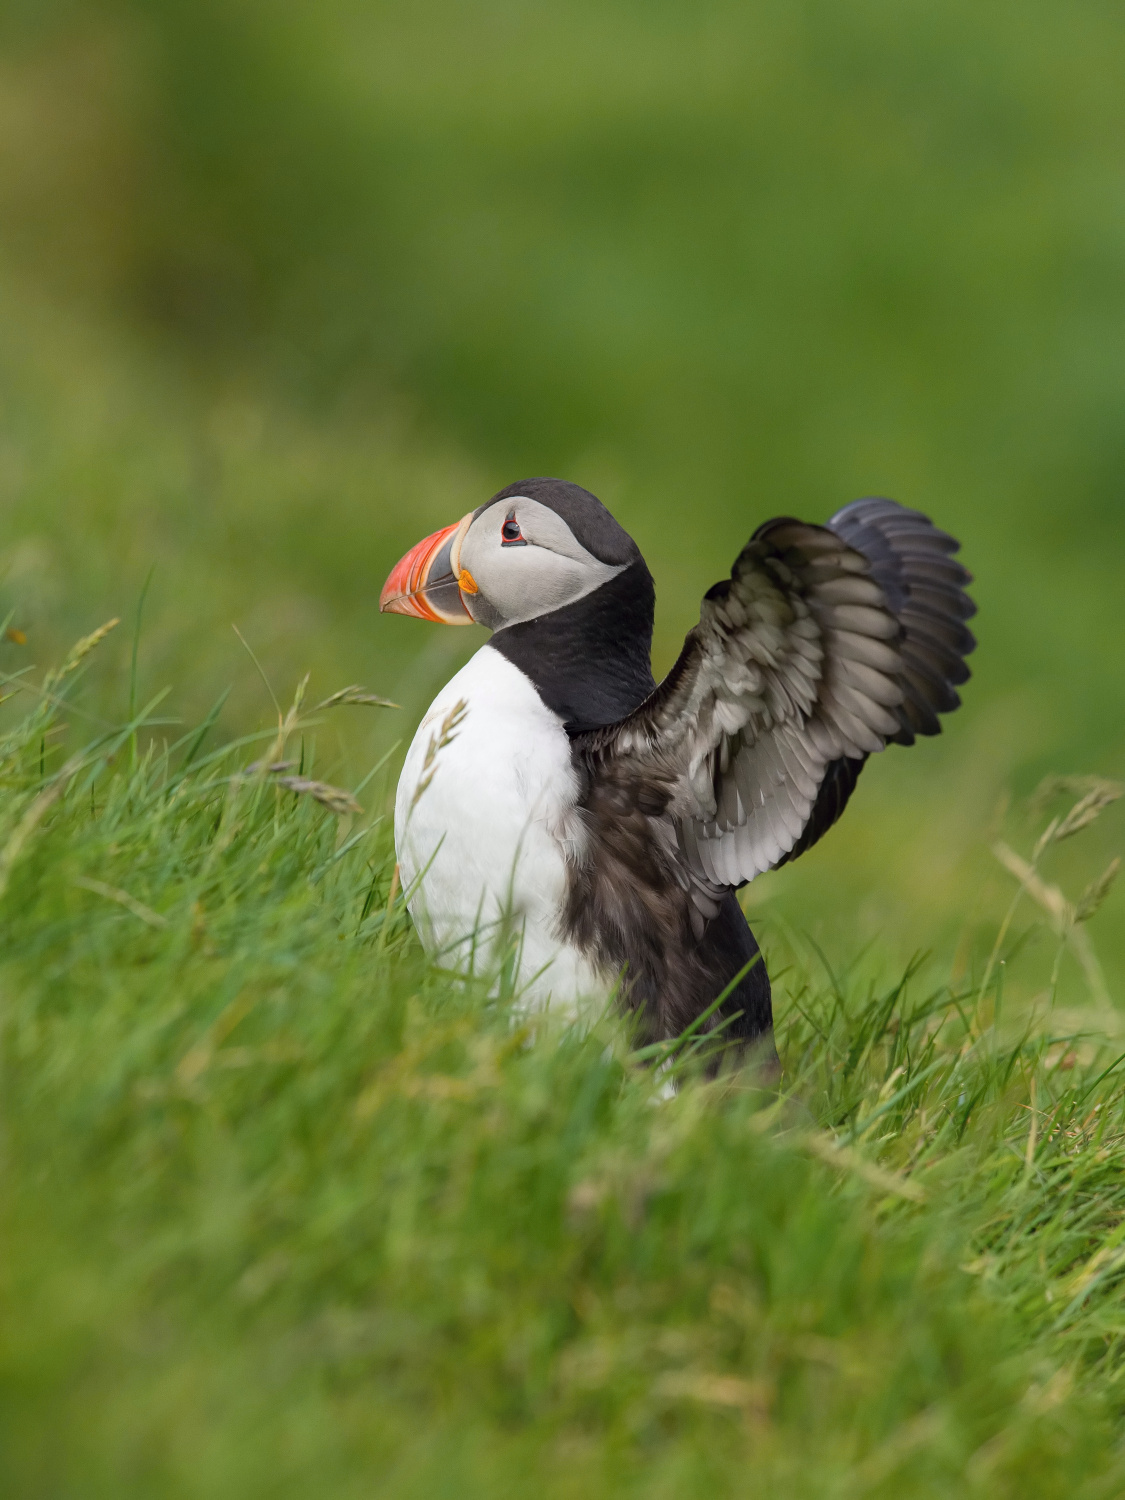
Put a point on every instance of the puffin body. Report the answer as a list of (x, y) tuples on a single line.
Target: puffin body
[(564, 817), (486, 828)]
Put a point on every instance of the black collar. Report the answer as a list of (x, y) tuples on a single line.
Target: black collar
[(590, 661)]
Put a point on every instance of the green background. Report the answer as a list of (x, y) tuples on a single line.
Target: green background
[(285, 286)]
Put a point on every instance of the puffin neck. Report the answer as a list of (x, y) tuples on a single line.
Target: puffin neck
[(590, 661)]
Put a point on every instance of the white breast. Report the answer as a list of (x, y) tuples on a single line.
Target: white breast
[(485, 823)]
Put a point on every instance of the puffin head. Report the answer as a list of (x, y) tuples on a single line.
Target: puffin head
[(535, 547)]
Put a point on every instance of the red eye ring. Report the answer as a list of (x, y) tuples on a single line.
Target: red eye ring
[(510, 532)]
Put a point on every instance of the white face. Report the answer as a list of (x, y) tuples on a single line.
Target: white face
[(525, 562)]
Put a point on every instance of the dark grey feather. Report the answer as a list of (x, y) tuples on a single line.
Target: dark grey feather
[(825, 644)]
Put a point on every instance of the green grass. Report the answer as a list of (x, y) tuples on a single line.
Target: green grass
[(281, 289), (286, 1211)]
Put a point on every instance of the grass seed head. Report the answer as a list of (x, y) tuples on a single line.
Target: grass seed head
[(334, 798), (357, 695), (1096, 892), (82, 649)]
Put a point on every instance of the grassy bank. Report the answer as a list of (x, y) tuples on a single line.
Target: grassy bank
[(280, 291), (287, 1212), (284, 288)]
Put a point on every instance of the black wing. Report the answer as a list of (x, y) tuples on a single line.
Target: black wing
[(914, 564), (825, 644)]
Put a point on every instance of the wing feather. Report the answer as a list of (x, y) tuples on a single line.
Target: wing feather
[(823, 645)]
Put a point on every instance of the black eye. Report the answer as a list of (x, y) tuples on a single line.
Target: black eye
[(510, 531)]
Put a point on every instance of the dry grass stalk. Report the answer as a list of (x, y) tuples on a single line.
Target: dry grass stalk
[(286, 724), (1096, 892), (334, 798), (82, 649), (1055, 786), (123, 898), (438, 742), (1088, 809), (1064, 916), (1048, 897), (358, 695), (848, 1159)]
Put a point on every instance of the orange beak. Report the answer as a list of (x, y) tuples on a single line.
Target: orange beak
[(427, 582)]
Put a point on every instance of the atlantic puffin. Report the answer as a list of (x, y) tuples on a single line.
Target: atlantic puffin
[(561, 812)]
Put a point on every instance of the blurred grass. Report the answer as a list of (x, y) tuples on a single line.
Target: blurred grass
[(284, 287)]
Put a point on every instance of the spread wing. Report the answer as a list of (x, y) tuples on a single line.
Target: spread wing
[(913, 563), (825, 644)]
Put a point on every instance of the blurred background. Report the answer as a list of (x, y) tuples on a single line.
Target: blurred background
[(285, 286)]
